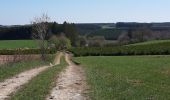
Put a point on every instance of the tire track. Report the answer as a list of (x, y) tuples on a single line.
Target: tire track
[(11, 85), (71, 83)]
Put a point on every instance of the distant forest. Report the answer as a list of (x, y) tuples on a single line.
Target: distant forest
[(125, 32)]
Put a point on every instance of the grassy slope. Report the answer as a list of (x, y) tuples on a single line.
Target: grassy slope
[(9, 70), (128, 78), (152, 42), (39, 87), (13, 44)]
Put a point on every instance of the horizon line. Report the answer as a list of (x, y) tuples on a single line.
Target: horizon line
[(93, 22)]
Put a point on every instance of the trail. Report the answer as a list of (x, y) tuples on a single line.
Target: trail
[(13, 84), (71, 83), (57, 59)]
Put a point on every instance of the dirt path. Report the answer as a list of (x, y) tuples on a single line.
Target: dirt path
[(57, 59), (70, 85), (13, 84)]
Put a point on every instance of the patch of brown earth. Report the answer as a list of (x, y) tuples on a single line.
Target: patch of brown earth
[(135, 82), (166, 72), (71, 84)]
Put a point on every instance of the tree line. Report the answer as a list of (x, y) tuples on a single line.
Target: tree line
[(25, 32)]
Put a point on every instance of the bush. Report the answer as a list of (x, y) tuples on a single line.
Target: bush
[(60, 43)]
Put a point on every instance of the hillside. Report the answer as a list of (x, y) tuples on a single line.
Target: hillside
[(150, 42)]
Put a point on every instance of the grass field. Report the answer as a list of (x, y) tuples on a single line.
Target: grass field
[(152, 42), (128, 78), (14, 44), (39, 87)]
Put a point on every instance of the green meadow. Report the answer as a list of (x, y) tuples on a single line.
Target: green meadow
[(15, 44), (127, 77)]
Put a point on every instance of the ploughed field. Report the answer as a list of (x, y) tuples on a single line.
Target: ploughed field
[(4, 59), (127, 77)]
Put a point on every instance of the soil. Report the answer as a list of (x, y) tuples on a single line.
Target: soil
[(71, 83)]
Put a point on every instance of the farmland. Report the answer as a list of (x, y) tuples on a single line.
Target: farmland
[(84, 50), (136, 71), (15, 44), (127, 77)]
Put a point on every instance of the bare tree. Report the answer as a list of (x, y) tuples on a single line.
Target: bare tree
[(40, 32), (124, 38)]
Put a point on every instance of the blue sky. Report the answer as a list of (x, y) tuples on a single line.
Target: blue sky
[(85, 11)]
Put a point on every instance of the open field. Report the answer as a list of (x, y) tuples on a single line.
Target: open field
[(127, 77), (14, 44)]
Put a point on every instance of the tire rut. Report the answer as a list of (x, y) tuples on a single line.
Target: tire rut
[(71, 83)]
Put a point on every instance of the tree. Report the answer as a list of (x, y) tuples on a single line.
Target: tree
[(56, 28), (60, 42), (141, 34), (82, 41), (71, 32), (97, 41), (124, 38), (40, 32)]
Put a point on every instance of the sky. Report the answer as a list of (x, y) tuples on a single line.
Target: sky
[(19, 12)]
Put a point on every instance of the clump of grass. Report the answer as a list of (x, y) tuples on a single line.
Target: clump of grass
[(127, 77), (39, 87)]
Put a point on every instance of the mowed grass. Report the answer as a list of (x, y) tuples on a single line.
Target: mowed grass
[(128, 77), (39, 87), (14, 44), (11, 69), (151, 42)]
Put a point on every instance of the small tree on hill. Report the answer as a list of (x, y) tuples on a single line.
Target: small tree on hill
[(124, 38)]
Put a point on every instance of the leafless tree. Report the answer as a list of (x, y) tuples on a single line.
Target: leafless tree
[(40, 32), (124, 38)]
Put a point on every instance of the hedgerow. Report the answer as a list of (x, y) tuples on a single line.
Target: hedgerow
[(149, 49), (25, 51)]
